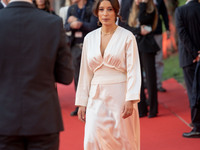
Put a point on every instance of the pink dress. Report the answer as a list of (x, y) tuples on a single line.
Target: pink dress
[(105, 83)]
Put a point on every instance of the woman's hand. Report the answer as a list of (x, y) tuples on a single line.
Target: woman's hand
[(81, 113), (76, 25), (128, 109), (144, 31), (197, 58), (72, 19)]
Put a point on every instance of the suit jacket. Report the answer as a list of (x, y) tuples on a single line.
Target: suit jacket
[(33, 57), (187, 24), (1, 5), (162, 11)]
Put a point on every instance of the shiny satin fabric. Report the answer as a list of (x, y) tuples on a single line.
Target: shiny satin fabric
[(120, 54), (105, 84), (105, 128)]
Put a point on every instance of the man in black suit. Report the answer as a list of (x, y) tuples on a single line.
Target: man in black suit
[(33, 57), (187, 23)]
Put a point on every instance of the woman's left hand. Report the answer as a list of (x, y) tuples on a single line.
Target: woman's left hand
[(127, 110), (81, 113)]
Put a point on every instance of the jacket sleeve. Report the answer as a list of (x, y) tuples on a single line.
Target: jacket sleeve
[(133, 70), (63, 67), (91, 25), (67, 25), (85, 78), (164, 14), (183, 34)]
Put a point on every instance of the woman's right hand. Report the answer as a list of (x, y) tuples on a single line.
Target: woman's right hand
[(143, 31), (71, 19), (81, 113)]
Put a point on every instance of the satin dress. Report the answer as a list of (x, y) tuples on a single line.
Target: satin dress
[(105, 83)]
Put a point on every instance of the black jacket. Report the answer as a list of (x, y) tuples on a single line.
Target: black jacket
[(88, 19), (145, 43), (187, 24), (126, 6), (162, 11), (33, 57), (1, 5)]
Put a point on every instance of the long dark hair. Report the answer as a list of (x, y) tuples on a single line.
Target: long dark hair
[(46, 3), (114, 3)]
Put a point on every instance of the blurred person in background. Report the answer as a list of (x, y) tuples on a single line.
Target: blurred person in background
[(141, 20), (162, 12), (187, 24), (80, 21), (63, 10), (44, 5)]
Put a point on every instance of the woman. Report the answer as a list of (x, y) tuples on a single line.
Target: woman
[(144, 15), (63, 10), (43, 5), (109, 84)]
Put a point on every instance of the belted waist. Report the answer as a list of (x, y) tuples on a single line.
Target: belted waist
[(107, 75)]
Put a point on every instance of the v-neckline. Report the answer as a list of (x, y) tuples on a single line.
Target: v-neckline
[(102, 55)]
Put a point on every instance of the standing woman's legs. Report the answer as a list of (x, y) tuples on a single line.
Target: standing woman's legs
[(142, 105), (148, 61)]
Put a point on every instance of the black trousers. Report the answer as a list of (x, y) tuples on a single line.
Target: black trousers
[(37, 142), (195, 105), (147, 61), (196, 118), (76, 57), (188, 73)]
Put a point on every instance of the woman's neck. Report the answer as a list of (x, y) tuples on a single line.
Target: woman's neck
[(109, 29)]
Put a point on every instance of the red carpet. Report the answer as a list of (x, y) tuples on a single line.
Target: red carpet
[(161, 133)]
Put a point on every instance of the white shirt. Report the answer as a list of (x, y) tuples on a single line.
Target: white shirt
[(4, 5), (188, 1)]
